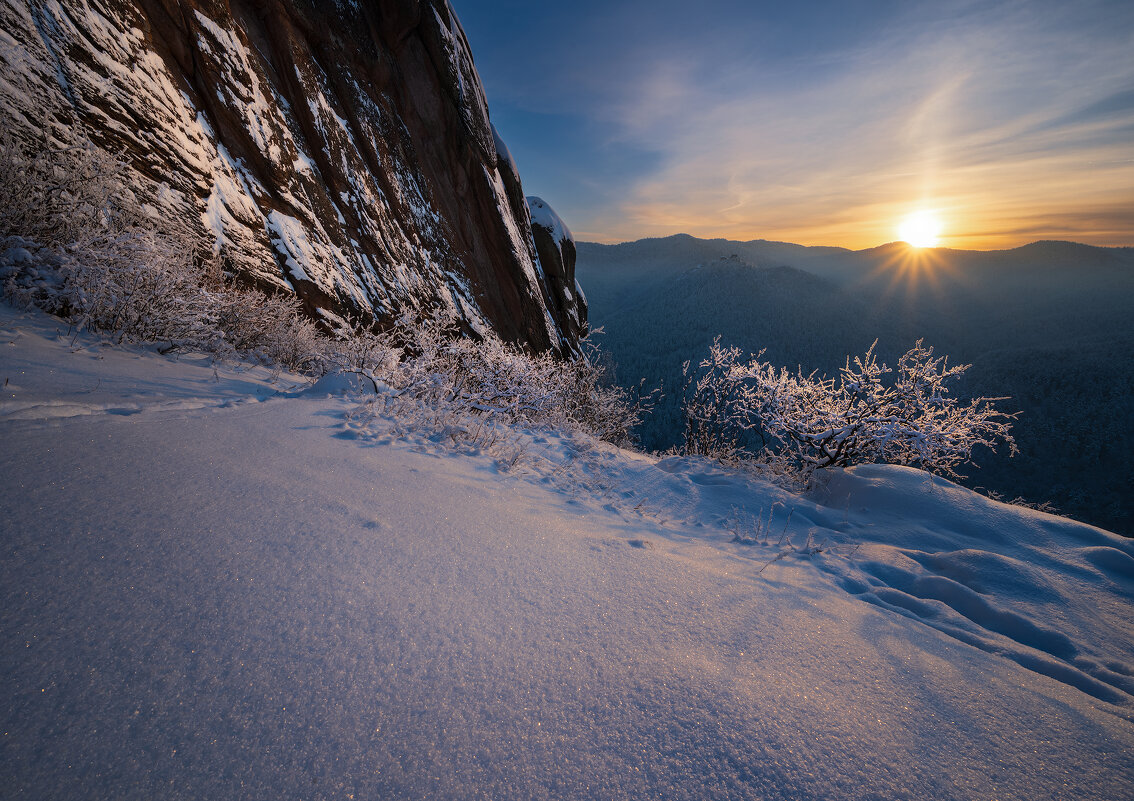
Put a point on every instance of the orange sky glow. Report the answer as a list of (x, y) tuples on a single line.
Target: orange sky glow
[(819, 123)]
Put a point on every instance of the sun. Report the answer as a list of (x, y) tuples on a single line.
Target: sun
[(922, 229)]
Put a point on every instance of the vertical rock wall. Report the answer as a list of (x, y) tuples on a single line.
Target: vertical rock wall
[(338, 149)]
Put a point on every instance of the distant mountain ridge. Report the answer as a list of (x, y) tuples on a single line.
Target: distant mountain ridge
[(337, 149), (1047, 323), (838, 260)]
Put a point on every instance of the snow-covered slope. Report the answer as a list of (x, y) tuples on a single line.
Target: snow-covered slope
[(189, 610), (338, 149)]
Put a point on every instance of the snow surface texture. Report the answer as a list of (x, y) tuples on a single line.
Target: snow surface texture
[(217, 583)]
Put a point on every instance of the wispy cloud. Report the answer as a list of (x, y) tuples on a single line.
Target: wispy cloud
[(1014, 120)]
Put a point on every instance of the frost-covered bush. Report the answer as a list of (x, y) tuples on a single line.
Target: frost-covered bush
[(78, 243), (712, 426), (99, 259), (270, 328), (420, 358), (56, 196), (868, 413), (135, 284), (599, 406)]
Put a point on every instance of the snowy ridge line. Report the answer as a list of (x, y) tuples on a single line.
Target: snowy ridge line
[(1018, 583), (1082, 674), (956, 610)]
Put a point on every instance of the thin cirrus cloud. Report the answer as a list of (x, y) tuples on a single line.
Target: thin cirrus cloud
[(823, 123)]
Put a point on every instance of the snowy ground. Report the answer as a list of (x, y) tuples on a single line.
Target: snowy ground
[(214, 584)]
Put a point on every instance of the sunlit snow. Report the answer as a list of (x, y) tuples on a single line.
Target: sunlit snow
[(217, 582)]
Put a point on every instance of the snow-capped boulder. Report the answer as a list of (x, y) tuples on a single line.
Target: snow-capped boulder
[(335, 148), (556, 248)]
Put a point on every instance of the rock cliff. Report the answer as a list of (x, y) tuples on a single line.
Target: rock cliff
[(555, 246), (339, 149)]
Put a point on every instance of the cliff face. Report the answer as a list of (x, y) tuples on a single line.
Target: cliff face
[(340, 149), (555, 246)]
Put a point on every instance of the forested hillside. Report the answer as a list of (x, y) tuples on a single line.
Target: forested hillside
[(1047, 324)]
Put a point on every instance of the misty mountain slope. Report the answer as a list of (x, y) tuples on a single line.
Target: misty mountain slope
[(680, 314), (1019, 293), (1074, 432), (975, 301), (190, 611), (654, 257), (1047, 324)]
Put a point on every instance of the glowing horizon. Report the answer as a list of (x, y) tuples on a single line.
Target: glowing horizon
[(818, 124)]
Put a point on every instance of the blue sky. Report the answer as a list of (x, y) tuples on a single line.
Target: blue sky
[(818, 123)]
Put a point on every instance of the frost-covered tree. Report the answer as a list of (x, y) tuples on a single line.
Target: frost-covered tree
[(867, 413)]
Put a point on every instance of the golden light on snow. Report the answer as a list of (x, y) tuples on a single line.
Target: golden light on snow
[(922, 229)]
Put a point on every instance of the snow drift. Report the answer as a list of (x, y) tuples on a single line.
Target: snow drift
[(189, 611)]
